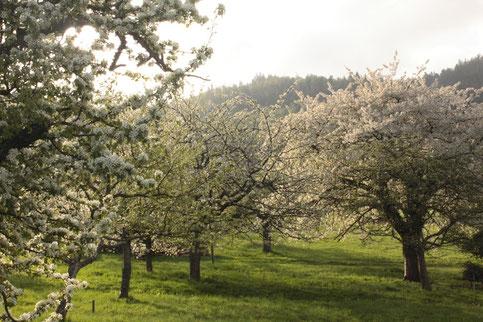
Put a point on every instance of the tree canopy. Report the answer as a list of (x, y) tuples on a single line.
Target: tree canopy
[(62, 124), (397, 156)]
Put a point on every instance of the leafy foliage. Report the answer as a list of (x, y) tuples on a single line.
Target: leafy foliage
[(473, 244)]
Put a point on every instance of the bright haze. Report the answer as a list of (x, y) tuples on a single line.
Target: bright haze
[(321, 37)]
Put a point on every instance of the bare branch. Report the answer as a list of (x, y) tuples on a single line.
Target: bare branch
[(4, 296), (118, 53)]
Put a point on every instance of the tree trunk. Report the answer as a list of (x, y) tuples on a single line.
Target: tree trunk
[(411, 270), (267, 238), (195, 261), (212, 252), (149, 254), (423, 273), (73, 270), (126, 269)]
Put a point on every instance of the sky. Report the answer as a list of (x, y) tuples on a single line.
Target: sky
[(322, 37)]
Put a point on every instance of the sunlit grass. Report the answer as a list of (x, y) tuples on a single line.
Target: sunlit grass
[(320, 281)]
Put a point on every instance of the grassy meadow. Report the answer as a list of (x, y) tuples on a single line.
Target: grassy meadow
[(326, 280)]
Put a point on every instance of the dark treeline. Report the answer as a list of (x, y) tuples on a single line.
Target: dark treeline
[(266, 90), (468, 73)]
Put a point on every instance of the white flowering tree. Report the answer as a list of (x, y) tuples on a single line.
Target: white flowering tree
[(397, 157), (280, 201), (62, 130), (281, 204), (225, 156), (211, 182)]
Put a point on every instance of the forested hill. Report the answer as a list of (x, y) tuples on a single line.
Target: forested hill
[(468, 73), (266, 90)]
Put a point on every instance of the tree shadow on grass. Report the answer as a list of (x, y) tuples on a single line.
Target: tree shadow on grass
[(363, 283), (364, 300), (344, 262)]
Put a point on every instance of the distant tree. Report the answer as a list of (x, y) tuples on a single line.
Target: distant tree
[(219, 146), (267, 90), (470, 238), (473, 244), (467, 73), (280, 202), (470, 241), (280, 206), (396, 156), (226, 157)]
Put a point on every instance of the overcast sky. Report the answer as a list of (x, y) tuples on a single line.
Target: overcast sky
[(323, 37)]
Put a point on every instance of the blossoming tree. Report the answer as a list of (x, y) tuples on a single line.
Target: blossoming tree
[(60, 131), (397, 157), (226, 157), (219, 172)]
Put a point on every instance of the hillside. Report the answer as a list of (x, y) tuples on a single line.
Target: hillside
[(266, 90)]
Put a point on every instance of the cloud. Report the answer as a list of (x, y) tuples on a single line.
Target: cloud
[(322, 37)]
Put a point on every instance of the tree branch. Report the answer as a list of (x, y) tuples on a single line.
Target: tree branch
[(4, 296), (23, 139), (152, 54), (118, 53)]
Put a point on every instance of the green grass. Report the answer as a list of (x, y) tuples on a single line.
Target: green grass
[(326, 280)]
